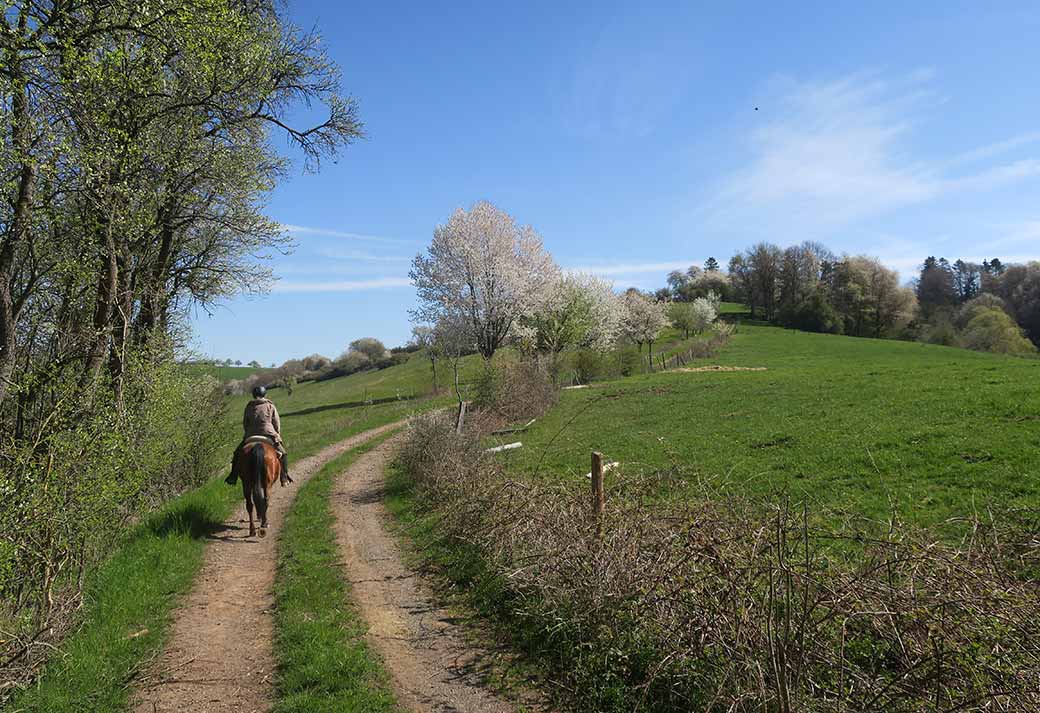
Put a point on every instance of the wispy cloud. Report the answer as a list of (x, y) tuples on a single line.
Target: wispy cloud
[(627, 268), (357, 255), (343, 285), (835, 152), (327, 232), (997, 148)]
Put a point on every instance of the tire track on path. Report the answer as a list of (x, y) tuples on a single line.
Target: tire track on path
[(218, 657), (431, 665)]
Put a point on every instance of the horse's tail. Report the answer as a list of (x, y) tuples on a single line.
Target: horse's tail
[(259, 477)]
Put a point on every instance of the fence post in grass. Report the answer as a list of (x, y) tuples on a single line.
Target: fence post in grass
[(599, 499), (461, 417)]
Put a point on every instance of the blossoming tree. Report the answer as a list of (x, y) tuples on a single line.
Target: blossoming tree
[(484, 272), (580, 312), (643, 319)]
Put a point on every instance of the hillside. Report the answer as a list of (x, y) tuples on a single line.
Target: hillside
[(852, 425)]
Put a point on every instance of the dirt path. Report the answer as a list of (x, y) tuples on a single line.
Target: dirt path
[(219, 656), (432, 667)]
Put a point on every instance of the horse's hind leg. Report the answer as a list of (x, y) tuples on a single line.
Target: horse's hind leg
[(249, 506), (262, 512)]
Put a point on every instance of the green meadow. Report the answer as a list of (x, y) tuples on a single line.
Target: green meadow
[(858, 426)]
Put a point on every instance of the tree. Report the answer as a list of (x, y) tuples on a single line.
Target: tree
[(643, 319), (992, 330), (424, 337), (693, 316), (676, 280), (254, 364), (711, 265), (138, 151), (967, 279), (370, 347), (316, 362), (740, 278), (935, 287), (682, 318), (582, 312), (482, 272), (764, 260), (453, 340), (238, 362)]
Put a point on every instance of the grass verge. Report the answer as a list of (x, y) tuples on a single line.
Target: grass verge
[(129, 601), (324, 663), (477, 593)]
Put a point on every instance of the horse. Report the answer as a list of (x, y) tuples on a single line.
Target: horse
[(260, 468)]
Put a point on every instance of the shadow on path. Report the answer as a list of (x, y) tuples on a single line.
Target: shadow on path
[(192, 520)]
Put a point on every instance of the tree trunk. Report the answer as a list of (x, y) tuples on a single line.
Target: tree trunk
[(18, 231), (104, 301)]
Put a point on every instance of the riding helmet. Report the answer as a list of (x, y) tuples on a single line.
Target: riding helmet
[(259, 392)]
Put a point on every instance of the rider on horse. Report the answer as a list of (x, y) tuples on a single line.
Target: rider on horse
[(261, 419)]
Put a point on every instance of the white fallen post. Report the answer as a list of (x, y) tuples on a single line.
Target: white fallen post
[(506, 447)]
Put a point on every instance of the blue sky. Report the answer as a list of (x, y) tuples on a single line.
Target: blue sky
[(628, 136)]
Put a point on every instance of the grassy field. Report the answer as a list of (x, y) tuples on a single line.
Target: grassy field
[(851, 425), (324, 663), (223, 373)]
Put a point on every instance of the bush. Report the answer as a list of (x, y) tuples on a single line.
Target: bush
[(725, 603), (992, 330), (941, 331), (513, 390), (69, 497), (629, 361), (815, 314), (588, 365), (370, 347)]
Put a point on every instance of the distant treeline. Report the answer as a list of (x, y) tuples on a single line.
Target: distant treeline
[(990, 306), (365, 354)]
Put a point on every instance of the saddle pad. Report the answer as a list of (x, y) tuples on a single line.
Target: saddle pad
[(259, 439)]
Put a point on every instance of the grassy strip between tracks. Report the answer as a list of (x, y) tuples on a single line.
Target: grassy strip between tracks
[(324, 663)]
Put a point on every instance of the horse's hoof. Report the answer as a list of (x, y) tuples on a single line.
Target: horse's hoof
[(252, 533), (263, 532)]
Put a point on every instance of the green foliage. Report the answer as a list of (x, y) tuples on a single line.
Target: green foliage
[(370, 347), (324, 662), (993, 330), (128, 604), (66, 504), (629, 361), (815, 314)]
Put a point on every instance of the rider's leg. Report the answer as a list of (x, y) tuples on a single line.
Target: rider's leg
[(286, 478), (233, 478)]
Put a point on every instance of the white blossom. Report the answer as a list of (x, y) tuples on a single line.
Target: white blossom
[(704, 313), (643, 318), (483, 271), (581, 312)]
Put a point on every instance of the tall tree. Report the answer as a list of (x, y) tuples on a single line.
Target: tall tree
[(485, 272)]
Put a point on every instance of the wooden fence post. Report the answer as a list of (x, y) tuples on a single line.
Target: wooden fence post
[(461, 417), (599, 499)]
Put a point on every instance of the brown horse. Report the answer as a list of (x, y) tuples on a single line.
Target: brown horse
[(261, 467)]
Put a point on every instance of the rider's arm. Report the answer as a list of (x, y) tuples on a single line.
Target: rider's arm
[(277, 421)]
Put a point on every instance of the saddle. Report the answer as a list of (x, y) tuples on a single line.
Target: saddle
[(259, 439)]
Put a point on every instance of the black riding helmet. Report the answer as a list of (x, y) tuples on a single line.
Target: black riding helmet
[(259, 392)]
